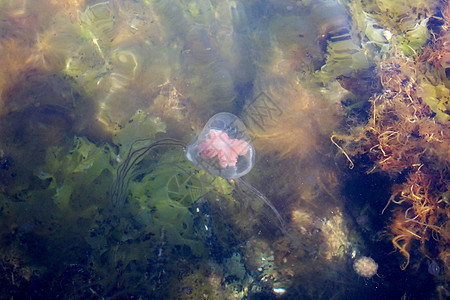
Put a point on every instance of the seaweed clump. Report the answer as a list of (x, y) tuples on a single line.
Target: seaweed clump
[(407, 136)]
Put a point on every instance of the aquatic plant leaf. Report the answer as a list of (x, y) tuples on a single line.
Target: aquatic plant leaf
[(437, 98), (393, 7), (415, 38), (343, 58), (374, 32), (92, 159), (185, 188), (74, 167), (140, 126), (63, 193), (164, 193)]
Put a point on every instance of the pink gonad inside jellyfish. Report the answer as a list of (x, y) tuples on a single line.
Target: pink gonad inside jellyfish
[(225, 148), (222, 147)]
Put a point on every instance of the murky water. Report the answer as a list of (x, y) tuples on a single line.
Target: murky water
[(345, 108)]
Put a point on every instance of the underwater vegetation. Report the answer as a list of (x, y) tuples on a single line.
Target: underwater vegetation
[(199, 149), (407, 137)]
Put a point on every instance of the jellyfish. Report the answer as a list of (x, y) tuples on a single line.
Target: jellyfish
[(222, 148), (125, 170)]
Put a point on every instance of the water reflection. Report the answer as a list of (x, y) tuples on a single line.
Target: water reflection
[(90, 89)]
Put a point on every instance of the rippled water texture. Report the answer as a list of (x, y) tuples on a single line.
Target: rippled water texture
[(323, 173)]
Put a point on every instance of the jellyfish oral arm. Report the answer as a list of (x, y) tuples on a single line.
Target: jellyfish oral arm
[(225, 148)]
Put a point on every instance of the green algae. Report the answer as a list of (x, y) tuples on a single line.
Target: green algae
[(69, 169), (158, 216), (437, 98), (392, 25), (413, 40), (162, 204), (343, 58), (140, 126), (143, 249)]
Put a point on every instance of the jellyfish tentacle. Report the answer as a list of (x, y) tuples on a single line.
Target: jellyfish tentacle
[(134, 156)]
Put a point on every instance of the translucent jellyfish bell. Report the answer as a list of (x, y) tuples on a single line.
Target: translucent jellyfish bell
[(223, 147)]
